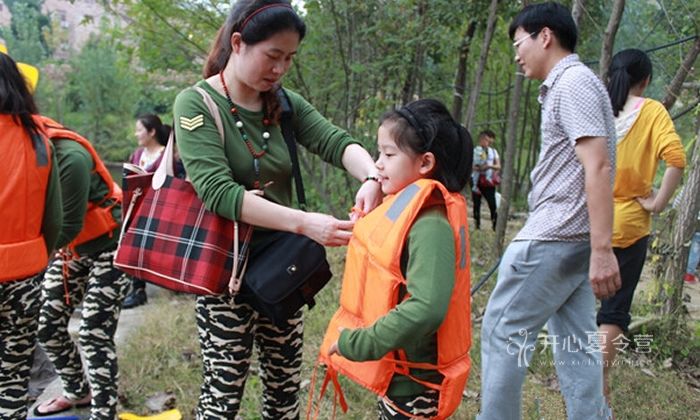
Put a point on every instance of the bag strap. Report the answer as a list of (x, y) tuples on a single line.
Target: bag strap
[(290, 140), (213, 110), (165, 168)]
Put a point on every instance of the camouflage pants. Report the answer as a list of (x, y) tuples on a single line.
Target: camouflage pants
[(228, 330), (422, 406), (19, 310), (93, 281)]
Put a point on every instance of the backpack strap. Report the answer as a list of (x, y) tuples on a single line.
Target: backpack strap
[(290, 140)]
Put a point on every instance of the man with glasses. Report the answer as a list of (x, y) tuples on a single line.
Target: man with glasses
[(562, 258)]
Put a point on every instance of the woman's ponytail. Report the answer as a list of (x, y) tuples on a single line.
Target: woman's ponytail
[(628, 69)]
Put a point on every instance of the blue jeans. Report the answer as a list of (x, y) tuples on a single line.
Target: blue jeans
[(694, 254), (541, 282)]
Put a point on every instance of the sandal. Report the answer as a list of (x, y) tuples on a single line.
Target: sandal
[(59, 405)]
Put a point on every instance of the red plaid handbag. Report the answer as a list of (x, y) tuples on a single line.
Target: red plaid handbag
[(170, 239)]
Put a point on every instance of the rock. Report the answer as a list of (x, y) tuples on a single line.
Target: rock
[(161, 401)]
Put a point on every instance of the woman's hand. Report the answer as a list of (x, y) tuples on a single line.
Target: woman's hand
[(369, 196), (327, 230), (648, 203)]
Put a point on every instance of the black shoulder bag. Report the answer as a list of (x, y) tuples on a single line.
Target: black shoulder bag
[(286, 273)]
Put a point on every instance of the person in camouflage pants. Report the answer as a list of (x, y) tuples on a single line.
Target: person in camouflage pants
[(19, 307), (31, 215), (228, 328), (101, 288), (83, 272)]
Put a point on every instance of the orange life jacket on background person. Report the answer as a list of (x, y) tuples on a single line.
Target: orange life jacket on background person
[(371, 285), (98, 218), (24, 178)]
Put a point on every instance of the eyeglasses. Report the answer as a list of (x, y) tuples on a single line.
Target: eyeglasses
[(517, 43)]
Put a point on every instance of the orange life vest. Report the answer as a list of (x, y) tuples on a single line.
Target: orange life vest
[(371, 285), (98, 218), (24, 177)]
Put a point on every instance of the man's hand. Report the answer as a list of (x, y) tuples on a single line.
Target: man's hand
[(604, 274)]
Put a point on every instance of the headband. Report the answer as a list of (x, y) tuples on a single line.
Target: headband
[(256, 11), (409, 116)]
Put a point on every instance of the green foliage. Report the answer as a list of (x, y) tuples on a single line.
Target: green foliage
[(95, 94), (359, 59), (168, 34), (24, 37)]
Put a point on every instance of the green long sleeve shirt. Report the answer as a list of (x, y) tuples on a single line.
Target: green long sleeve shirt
[(80, 185), (220, 173), (53, 209), (428, 261)]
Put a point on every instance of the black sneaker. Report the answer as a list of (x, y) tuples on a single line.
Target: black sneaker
[(135, 298)]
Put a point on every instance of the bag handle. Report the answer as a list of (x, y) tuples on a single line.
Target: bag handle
[(234, 283), (165, 168)]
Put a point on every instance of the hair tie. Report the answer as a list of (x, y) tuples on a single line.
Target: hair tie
[(409, 116), (256, 11)]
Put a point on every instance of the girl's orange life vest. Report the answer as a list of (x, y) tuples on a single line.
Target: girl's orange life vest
[(24, 178), (98, 218), (371, 285)]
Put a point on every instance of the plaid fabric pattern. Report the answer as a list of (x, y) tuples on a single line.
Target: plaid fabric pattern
[(172, 240)]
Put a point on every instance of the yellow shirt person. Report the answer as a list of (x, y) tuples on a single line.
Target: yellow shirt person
[(645, 136)]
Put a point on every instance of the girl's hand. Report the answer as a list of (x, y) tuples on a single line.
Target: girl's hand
[(327, 230), (369, 196), (334, 349)]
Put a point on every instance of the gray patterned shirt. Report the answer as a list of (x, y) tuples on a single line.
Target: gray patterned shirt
[(575, 104)]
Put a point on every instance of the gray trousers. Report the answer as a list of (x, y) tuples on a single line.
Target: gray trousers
[(542, 282)]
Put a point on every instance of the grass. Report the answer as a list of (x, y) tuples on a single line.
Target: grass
[(163, 355)]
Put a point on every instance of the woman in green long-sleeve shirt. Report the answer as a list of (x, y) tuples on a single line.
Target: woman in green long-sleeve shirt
[(83, 276), (249, 178)]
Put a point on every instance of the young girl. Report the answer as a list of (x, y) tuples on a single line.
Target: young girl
[(410, 255)]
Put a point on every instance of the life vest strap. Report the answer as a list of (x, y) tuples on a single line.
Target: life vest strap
[(339, 397)]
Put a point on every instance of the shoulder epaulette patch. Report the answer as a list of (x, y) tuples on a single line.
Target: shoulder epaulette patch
[(191, 124)]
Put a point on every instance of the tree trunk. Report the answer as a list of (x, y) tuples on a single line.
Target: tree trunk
[(342, 51), (508, 161), (671, 287), (476, 87), (577, 9), (461, 76), (674, 89), (606, 51), (522, 150), (411, 83)]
